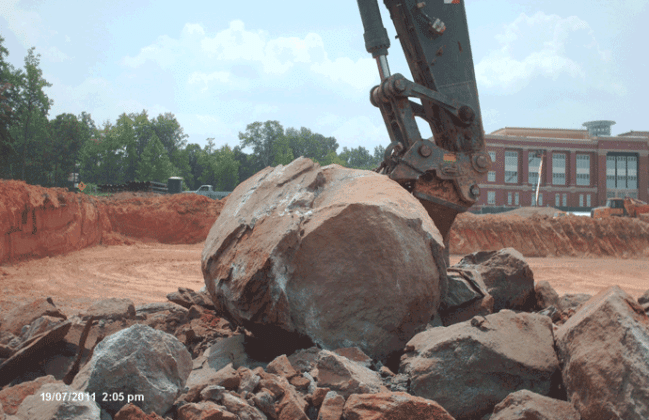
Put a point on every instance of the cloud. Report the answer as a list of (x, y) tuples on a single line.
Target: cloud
[(235, 49), (536, 46), (53, 54), (25, 24)]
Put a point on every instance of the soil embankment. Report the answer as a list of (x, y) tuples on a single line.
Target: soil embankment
[(38, 222), (545, 236)]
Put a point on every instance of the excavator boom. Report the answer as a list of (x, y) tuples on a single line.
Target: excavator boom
[(443, 171)]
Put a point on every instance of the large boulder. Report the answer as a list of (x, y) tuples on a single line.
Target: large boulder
[(603, 350), (471, 366), (140, 365), (345, 257)]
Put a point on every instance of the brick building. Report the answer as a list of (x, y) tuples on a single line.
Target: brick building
[(580, 168)]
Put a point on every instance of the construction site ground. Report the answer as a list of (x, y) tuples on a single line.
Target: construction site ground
[(146, 272), (77, 249)]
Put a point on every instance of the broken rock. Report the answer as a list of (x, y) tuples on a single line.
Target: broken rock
[(138, 361), (38, 406), (393, 406), (24, 315), (506, 275), (111, 309), (527, 405), (603, 350), (346, 377), (345, 257), (471, 366)]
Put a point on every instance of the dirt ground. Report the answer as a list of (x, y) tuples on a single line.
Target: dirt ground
[(146, 272)]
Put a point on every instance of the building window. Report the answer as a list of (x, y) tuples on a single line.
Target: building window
[(621, 172), (557, 200), (587, 200), (491, 197), (558, 169), (581, 200), (511, 167), (492, 155), (565, 200), (509, 198), (534, 164), (583, 169), (491, 176), (516, 199), (540, 199), (533, 199)]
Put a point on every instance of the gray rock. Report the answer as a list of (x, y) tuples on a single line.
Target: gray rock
[(241, 408), (111, 309), (137, 361), (187, 297), (302, 249), (471, 366), (644, 298), (527, 405), (545, 295), (573, 301), (346, 377), (506, 275), (152, 308), (227, 351), (35, 408), (603, 350)]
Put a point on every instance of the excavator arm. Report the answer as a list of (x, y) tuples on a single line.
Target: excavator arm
[(443, 171)]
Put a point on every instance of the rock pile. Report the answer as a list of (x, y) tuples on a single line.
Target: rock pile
[(181, 361)]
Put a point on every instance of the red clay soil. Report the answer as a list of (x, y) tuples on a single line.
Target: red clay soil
[(545, 236), (156, 243), (38, 222)]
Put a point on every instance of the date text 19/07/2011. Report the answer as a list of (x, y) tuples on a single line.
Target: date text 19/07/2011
[(91, 396)]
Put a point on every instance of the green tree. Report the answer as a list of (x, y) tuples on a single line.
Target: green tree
[(9, 78), (221, 169), (33, 106), (308, 144), (282, 153), (64, 147), (248, 166), (154, 164), (357, 158), (169, 131), (261, 137)]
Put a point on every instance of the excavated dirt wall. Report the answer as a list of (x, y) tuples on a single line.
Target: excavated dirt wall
[(37, 222), (545, 236)]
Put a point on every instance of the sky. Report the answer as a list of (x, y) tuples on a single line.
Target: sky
[(221, 65)]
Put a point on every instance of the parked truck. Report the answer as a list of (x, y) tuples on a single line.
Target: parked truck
[(208, 191), (621, 207)]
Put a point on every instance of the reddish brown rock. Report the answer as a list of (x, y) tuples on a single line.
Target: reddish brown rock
[(393, 406), (133, 412), (603, 350), (282, 367), (332, 407), (545, 295), (23, 315), (346, 377), (111, 308), (319, 396), (355, 355), (527, 405), (11, 398), (287, 243), (205, 410)]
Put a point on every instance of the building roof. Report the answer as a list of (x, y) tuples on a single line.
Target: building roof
[(635, 134), (557, 133)]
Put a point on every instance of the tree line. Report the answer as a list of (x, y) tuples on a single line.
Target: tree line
[(137, 147)]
